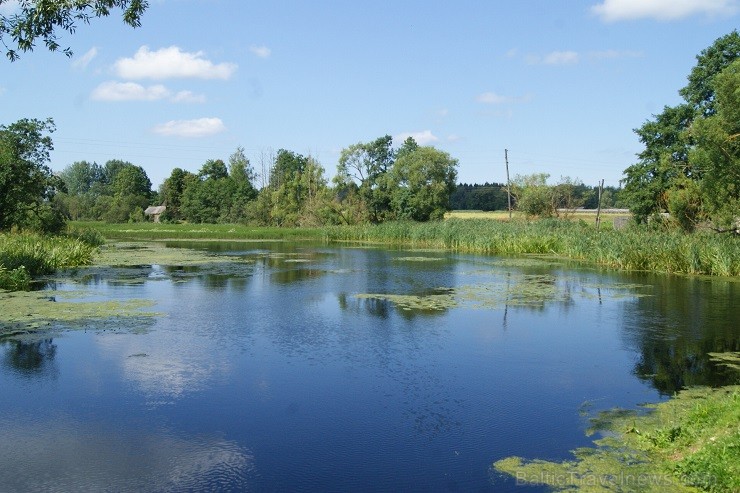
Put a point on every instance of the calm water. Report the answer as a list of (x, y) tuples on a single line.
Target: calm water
[(282, 378)]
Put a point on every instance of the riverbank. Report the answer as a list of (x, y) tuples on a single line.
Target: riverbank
[(25, 255), (689, 443), (636, 249)]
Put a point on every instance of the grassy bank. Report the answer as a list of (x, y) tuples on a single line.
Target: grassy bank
[(24, 255), (628, 249), (689, 443)]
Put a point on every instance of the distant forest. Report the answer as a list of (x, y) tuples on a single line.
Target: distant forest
[(493, 197)]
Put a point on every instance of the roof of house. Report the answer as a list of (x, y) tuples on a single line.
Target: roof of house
[(155, 209)]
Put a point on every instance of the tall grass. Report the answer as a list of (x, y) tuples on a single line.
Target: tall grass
[(629, 249), (28, 254)]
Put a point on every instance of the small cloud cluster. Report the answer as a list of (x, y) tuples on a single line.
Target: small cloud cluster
[(662, 10), (495, 99), (260, 51), (82, 62), (165, 63), (131, 91), (422, 138), (570, 57), (171, 63), (200, 127)]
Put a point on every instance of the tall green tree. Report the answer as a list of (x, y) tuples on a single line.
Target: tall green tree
[(717, 151), (666, 174), (27, 184), (172, 189), (421, 182), (209, 198), (366, 165), (43, 20)]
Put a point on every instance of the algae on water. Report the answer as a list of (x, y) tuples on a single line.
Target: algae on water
[(22, 311), (687, 444)]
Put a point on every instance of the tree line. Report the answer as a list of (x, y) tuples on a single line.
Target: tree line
[(375, 182)]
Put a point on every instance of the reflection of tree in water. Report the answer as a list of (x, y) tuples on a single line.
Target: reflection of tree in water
[(674, 330), (30, 358)]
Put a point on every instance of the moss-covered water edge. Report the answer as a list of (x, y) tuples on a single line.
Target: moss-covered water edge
[(688, 443)]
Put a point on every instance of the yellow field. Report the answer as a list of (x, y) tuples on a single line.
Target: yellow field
[(607, 218)]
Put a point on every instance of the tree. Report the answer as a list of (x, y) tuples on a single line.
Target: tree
[(422, 180), (243, 176), (209, 198), (171, 191), (672, 157), (27, 184), (34, 19), (533, 196), (717, 152), (81, 177)]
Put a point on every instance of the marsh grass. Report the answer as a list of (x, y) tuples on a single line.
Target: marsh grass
[(627, 249), (23, 255)]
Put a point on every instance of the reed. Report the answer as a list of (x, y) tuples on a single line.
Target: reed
[(38, 254), (629, 249)]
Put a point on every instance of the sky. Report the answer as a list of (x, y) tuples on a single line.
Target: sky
[(559, 84)]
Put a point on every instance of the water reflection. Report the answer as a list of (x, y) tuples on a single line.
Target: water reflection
[(673, 330), (30, 358), (66, 454)]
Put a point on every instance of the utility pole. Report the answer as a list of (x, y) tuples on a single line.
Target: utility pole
[(598, 209), (508, 181)]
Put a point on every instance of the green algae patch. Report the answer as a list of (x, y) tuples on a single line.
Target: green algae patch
[(688, 443), (135, 254), (29, 311), (440, 301), (512, 290)]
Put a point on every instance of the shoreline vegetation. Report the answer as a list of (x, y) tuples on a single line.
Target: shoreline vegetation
[(631, 249), (686, 444)]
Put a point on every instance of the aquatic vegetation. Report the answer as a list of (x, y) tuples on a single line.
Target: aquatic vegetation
[(40, 254), (22, 311), (627, 249), (689, 443), (512, 289), (438, 301), (14, 280)]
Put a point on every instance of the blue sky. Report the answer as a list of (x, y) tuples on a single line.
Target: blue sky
[(560, 84)]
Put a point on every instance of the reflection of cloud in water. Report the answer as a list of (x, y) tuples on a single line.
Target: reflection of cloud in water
[(68, 455), (165, 364)]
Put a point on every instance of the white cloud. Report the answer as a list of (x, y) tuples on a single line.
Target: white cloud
[(82, 62), (614, 54), (492, 98), (422, 138), (200, 127), (128, 91), (454, 138), (261, 51), (188, 97), (561, 58), (664, 10), (171, 62)]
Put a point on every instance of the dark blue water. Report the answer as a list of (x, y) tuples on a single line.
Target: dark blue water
[(284, 379)]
